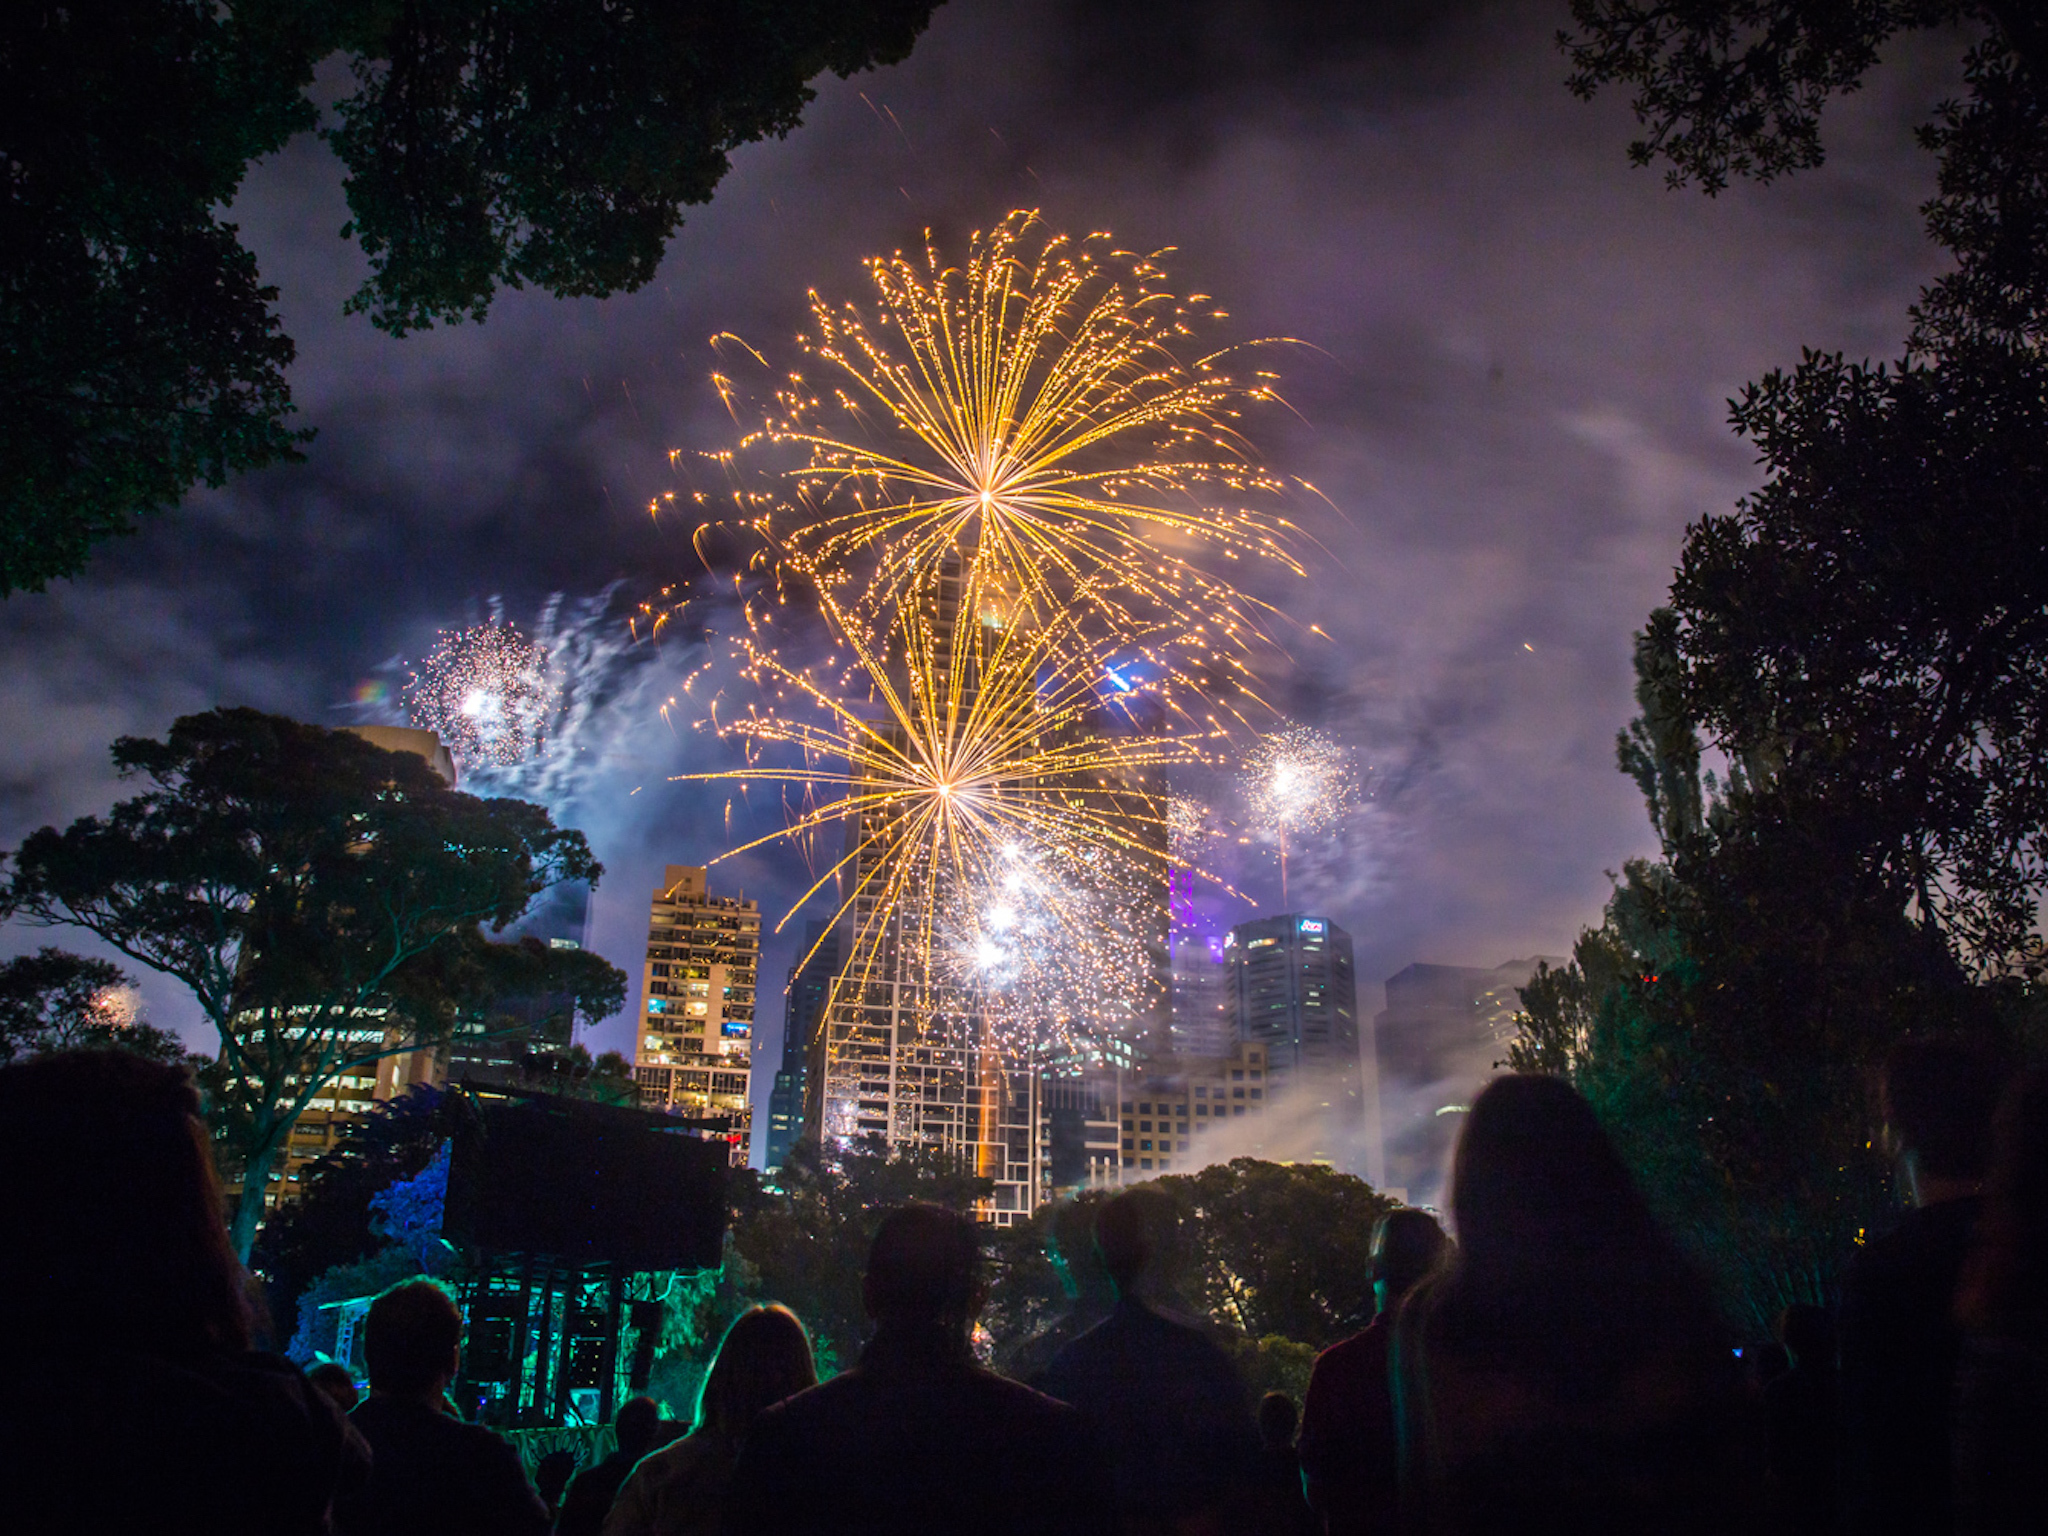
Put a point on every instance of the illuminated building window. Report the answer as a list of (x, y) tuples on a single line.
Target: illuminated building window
[(1145, 1146)]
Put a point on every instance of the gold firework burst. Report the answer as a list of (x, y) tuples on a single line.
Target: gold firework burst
[(1044, 415)]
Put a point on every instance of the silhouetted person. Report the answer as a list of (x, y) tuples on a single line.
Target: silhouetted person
[(129, 1398), (551, 1475), (1162, 1400), (1349, 1460), (1898, 1334), (1564, 1370), (680, 1490), (1279, 1508), (917, 1438), (335, 1381), (589, 1499), (433, 1474), (1799, 1422), (1070, 1245), (2001, 1420)]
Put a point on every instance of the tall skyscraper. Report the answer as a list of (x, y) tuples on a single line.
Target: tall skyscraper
[(1440, 1038), (1204, 1015), (693, 1053), (803, 1014), (1292, 991)]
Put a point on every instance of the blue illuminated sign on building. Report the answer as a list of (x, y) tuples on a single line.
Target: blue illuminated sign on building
[(1311, 925)]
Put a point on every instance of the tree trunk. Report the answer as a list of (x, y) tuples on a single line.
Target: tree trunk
[(255, 1180)]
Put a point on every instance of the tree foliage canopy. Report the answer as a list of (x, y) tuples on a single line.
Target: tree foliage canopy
[(53, 1000), (1861, 641), (487, 143), (324, 900)]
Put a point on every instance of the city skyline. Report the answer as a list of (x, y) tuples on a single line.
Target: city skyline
[(1512, 397)]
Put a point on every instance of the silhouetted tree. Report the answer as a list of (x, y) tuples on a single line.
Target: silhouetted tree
[(329, 1224), (53, 1000), (1276, 1249), (324, 900), (487, 143)]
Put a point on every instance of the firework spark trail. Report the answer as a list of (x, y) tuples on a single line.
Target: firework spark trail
[(943, 752), (486, 692), (1030, 413), (608, 665), (1053, 946), (1299, 780), (1019, 496)]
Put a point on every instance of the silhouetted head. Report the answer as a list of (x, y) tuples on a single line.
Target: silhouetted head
[(1406, 1245), (1070, 1244), (1535, 1179), (1560, 1271), (551, 1475), (1123, 1237), (1939, 1099), (1808, 1334), (764, 1357), (1277, 1419), (412, 1339), (924, 1268), (334, 1382), (637, 1425), (109, 1184), (2005, 1280)]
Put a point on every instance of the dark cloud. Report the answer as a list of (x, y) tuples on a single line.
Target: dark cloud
[(1516, 356)]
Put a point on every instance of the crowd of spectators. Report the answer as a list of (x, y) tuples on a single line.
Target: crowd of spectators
[(1559, 1366)]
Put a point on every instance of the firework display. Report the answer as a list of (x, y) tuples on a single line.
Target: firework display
[(1299, 780), (1044, 416), (486, 692), (939, 761), (1016, 494), (1051, 943)]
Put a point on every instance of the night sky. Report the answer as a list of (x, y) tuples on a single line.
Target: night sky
[(1514, 393)]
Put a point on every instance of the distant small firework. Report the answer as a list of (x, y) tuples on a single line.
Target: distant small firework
[(1299, 780), (486, 692)]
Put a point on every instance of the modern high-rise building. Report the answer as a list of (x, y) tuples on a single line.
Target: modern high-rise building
[(803, 1013), (1292, 990), (1204, 1019), (1444, 1032), (1118, 1120), (693, 1052)]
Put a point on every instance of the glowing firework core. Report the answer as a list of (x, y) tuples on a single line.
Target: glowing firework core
[(486, 692)]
